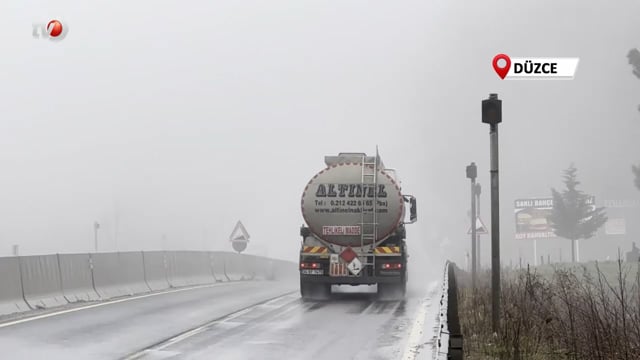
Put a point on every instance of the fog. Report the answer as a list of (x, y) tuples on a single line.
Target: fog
[(168, 122)]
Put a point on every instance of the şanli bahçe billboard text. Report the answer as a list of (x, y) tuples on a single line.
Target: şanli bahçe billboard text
[(533, 217)]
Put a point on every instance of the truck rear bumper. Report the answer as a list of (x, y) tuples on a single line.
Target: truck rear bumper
[(351, 280)]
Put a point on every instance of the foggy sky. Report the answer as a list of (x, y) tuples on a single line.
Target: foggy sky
[(180, 118)]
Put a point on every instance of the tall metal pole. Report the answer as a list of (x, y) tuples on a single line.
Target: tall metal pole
[(95, 237), (492, 115), (474, 251), (495, 229), (472, 173), (477, 193)]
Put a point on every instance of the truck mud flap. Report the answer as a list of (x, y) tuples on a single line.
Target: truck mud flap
[(310, 291)]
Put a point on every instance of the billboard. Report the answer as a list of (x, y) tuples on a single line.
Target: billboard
[(616, 226), (622, 214), (532, 217)]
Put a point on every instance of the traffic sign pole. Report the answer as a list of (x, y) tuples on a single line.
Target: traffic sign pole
[(474, 239), (478, 190), (239, 238), (472, 172)]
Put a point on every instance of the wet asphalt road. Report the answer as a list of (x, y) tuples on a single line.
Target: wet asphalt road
[(349, 326), (246, 320)]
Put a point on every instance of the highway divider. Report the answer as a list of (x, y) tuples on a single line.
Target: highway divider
[(217, 266), (155, 270), (187, 268), (45, 281), (77, 278), (41, 281), (108, 275), (132, 273), (236, 266), (11, 292)]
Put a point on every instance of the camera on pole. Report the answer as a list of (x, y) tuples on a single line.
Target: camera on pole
[(492, 110), (472, 171)]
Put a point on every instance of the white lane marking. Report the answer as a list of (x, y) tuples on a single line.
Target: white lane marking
[(413, 342), (110, 302), (162, 354), (236, 314)]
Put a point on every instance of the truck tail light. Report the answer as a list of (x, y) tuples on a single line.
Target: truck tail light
[(391, 266), (309, 265)]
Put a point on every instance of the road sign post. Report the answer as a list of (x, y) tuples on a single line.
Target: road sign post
[(96, 226), (481, 229), (472, 172), (478, 190)]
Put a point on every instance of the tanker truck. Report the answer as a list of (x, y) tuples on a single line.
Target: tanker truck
[(354, 231)]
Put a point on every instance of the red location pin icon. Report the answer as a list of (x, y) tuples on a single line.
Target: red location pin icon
[(502, 71)]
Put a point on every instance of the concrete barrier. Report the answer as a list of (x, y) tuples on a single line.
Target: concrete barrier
[(118, 274), (51, 280), (217, 267), (41, 281), (236, 267), (285, 270), (11, 295), (132, 272), (76, 277), (256, 267), (270, 269), (106, 269), (188, 268), (155, 270)]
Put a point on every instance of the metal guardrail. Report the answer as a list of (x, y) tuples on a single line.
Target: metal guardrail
[(450, 341)]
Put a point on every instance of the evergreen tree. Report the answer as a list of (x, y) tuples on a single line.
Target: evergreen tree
[(634, 60), (572, 217)]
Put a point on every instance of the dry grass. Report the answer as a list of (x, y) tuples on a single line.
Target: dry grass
[(567, 313)]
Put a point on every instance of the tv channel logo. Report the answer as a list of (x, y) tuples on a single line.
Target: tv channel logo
[(54, 30)]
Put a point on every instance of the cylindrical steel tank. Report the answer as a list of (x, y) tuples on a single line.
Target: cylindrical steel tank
[(332, 204)]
